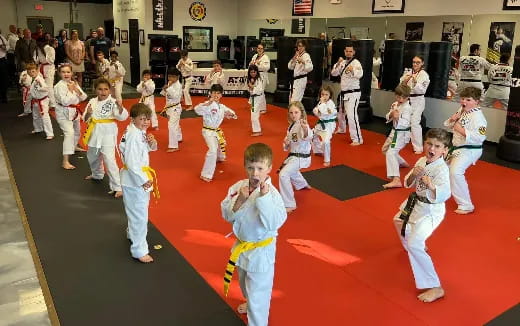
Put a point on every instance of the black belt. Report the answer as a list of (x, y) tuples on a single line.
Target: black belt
[(299, 155), (408, 208), (293, 78), (416, 95), (471, 80), (502, 85), (350, 91)]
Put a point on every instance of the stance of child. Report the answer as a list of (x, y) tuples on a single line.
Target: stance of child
[(116, 72), (185, 65), (324, 129), (256, 98), (146, 87), (173, 109), (39, 92)]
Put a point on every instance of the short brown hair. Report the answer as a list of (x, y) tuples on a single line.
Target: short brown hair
[(31, 66), (402, 90), (327, 88), (473, 92), (101, 80), (139, 109), (258, 152), (300, 106), (440, 134)]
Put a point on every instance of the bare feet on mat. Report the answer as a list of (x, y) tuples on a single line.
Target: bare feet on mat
[(189, 108), (22, 115), (242, 308), (89, 177), (256, 134), (326, 163), (145, 259), (463, 211), (118, 194), (431, 295), (418, 152), (289, 209), (355, 143), (393, 184), (205, 179), (171, 150), (49, 137), (339, 132), (308, 187), (404, 165), (263, 112), (79, 149), (68, 166)]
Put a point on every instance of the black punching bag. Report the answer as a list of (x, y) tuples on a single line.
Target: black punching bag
[(223, 47), (286, 48), (365, 53), (392, 64), (239, 45), (439, 68), (412, 49), (314, 78), (509, 144)]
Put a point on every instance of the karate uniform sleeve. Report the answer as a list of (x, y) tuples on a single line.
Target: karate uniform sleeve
[(132, 157), (403, 77), (163, 92), (316, 110), (264, 64), (357, 70), (228, 203), (221, 78), (418, 163), (150, 86), (154, 147), (392, 108), (229, 111), (121, 71), (83, 96), (405, 116), (139, 87), (92, 103), (50, 54), (336, 69), (66, 97), (120, 116), (442, 186), (292, 64), (485, 64), (201, 109), (332, 107), (309, 133), (449, 124), (174, 93), (271, 209), (307, 63), (476, 130), (422, 82), (188, 65), (41, 86)]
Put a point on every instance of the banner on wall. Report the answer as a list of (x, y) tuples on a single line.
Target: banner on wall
[(414, 31), (500, 40), (235, 82), (452, 32), (298, 26), (302, 7), (162, 15)]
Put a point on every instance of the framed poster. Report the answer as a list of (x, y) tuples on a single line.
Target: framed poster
[(452, 32), (162, 11), (414, 31), (298, 26), (197, 39), (501, 35), (511, 5), (387, 6), (124, 36), (269, 37), (117, 36), (302, 7)]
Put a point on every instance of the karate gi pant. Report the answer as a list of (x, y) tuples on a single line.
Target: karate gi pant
[(500, 94), (186, 90), (321, 144), (459, 163), (255, 113), (174, 127), (101, 159), (42, 121), (27, 103), (256, 288), (116, 90), (290, 175), (153, 118), (71, 133), (417, 104), (136, 201), (213, 153), (393, 159), (415, 242), (298, 90), (50, 71), (350, 107)]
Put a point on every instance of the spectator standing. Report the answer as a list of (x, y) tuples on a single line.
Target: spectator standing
[(75, 51), (25, 49)]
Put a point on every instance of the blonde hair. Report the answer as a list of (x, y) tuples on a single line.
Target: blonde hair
[(300, 106)]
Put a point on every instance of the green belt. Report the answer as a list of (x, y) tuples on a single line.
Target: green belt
[(323, 122), (394, 138)]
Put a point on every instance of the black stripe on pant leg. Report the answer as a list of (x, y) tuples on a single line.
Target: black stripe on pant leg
[(356, 121)]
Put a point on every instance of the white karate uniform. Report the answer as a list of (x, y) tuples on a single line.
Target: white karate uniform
[(25, 82), (39, 92), (216, 78), (349, 83), (212, 116), (103, 141), (116, 72), (258, 218), (45, 60), (103, 67), (323, 133), (186, 69), (173, 96), (264, 64), (499, 77), (68, 116), (471, 69), (453, 81), (290, 173), (134, 149), (299, 69), (424, 219), (146, 89), (418, 89), (475, 125), (393, 159), (259, 103)]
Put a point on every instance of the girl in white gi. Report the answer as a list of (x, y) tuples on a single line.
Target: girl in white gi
[(173, 109), (499, 77), (216, 75), (146, 87), (68, 95), (469, 132), (325, 126), (418, 80), (261, 60), (424, 210), (255, 84), (400, 115), (213, 112), (25, 83), (116, 72), (298, 144), (44, 57), (135, 146), (256, 210), (301, 64), (185, 65), (101, 114), (39, 93), (351, 71)]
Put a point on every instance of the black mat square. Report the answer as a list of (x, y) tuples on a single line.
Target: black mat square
[(509, 317), (343, 182)]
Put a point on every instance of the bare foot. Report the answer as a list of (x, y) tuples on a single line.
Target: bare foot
[(308, 187), (256, 134), (242, 308), (156, 128), (89, 177), (221, 160), (418, 152), (393, 184), (68, 166), (326, 163), (463, 211), (79, 149), (431, 294), (118, 194), (23, 115), (339, 132), (404, 165), (289, 209), (263, 112), (171, 150), (355, 143), (49, 137), (35, 132), (205, 179), (189, 108), (145, 259)]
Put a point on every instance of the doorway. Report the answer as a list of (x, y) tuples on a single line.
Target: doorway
[(46, 22), (133, 41)]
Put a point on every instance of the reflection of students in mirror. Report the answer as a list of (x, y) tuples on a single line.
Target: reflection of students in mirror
[(499, 77)]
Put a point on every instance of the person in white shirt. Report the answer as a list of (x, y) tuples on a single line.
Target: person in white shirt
[(116, 72), (68, 95), (325, 126), (185, 65), (350, 71), (301, 65), (471, 70), (261, 60), (147, 87), (4, 68), (138, 179), (12, 38), (255, 84), (44, 57), (39, 94), (173, 109), (500, 77), (101, 115), (213, 112)]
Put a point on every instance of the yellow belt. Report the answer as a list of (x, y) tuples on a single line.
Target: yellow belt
[(220, 136), (143, 97), (243, 246), (163, 112), (114, 80), (152, 176), (90, 127)]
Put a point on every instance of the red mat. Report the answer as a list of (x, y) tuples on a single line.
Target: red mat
[(341, 263)]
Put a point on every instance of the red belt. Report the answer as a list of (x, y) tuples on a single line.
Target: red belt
[(39, 102), (41, 68), (78, 110)]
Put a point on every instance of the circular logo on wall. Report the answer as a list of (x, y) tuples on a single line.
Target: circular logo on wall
[(197, 11)]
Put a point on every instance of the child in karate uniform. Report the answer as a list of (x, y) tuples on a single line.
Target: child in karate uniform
[(213, 112), (116, 72), (325, 126), (173, 109), (146, 87), (101, 114), (185, 65), (135, 146), (424, 210), (25, 83), (44, 57), (301, 65), (102, 64), (256, 210), (400, 116), (39, 93), (256, 98), (216, 75)]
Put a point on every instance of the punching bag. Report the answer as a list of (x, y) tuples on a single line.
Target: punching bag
[(286, 48), (439, 64), (509, 144), (315, 49), (223, 47), (174, 50), (364, 53), (392, 64), (238, 44), (412, 49)]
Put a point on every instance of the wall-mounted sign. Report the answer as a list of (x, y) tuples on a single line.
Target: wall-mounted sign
[(162, 15), (197, 11)]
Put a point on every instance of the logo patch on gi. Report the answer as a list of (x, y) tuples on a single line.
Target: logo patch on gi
[(294, 137), (197, 11), (482, 130)]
